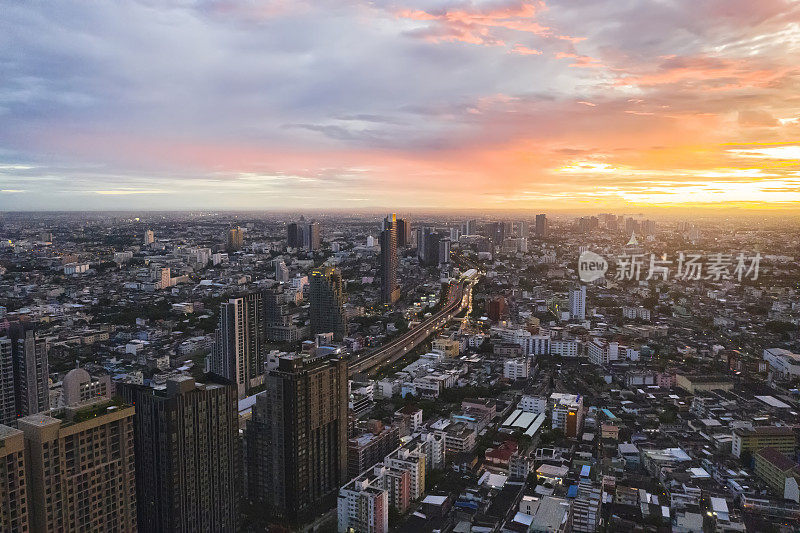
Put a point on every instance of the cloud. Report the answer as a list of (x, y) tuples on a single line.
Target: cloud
[(435, 102)]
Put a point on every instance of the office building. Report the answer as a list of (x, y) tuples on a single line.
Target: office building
[(403, 232), (495, 232), (577, 303), (149, 237), (326, 297), (24, 374), (14, 496), (187, 457), (541, 228), (390, 290), (80, 469), (234, 239), (294, 235), (238, 350), (432, 248), (296, 440)]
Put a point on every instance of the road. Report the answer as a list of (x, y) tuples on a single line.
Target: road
[(459, 299)]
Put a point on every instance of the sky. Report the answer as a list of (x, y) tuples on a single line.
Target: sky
[(346, 104)]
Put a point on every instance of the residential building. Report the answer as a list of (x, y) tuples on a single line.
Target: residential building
[(24, 374), (14, 497), (296, 440), (577, 303), (326, 297), (239, 342), (80, 472), (363, 504), (187, 454)]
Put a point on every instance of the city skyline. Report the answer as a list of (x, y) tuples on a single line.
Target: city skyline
[(418, 104)]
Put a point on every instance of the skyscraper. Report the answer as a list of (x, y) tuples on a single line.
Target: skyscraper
[(327, 302), (293, 236), (390, 291), (541, 225), (187, 457), (431, 256), (80, 469), (296, 440), (314, 236), (238, 350), (444, 251), (403, 232), (577, 303), (235, 239), (24, 374), (149, 237), (496, 232)]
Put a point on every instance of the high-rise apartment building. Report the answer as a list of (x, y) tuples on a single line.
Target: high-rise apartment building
[(326, 298), (149, 237), (541, 225), (390, 290), (296, 440), (238, 350), (187, 456), (577, 303), (235, 239), (80, 469), (13, 483), (24, 374)]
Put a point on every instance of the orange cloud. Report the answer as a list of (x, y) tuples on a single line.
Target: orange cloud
[(480, 25)]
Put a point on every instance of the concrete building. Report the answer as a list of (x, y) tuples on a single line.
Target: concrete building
[(187, 454), (783, 363), (326, 297), (567, 413), (781, 438), (80, 469), (78, 387), (296, 440), (14, 496), (363, 504), (516, 368), (780, 473), (24, 375), (577, 303), (239, 342)]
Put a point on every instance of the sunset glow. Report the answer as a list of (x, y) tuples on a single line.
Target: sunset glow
[(414, 103)]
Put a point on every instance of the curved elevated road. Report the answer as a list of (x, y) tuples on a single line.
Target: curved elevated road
[(458, 300)]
